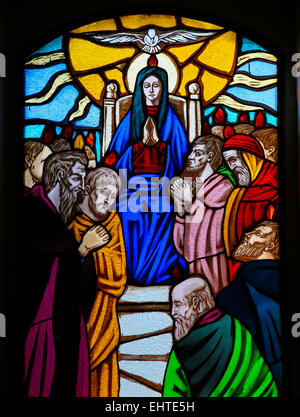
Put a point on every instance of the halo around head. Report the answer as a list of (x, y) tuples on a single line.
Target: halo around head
[(164, 61)]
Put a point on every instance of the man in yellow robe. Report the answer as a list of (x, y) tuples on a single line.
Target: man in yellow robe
[(101, 188)]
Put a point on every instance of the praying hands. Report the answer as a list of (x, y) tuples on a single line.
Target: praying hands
[(182, 195)]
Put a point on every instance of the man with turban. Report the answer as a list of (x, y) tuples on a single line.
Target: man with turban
[(256, 197)]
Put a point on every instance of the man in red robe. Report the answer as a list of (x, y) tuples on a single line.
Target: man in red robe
[(256, 197)]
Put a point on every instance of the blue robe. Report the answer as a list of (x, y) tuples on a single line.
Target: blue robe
[(148, 236), (253, 298)]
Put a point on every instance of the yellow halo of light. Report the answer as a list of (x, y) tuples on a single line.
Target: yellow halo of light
[(164, 61)]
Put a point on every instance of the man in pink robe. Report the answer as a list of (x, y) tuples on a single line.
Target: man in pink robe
[(200, 196)]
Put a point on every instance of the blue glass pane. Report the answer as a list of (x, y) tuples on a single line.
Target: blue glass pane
[(55, 45), (248, 45), (259, 68), (252, 115), (271, 119), (267, 97), (36, 79), (98, 146), (33, 131), (92, 119), (57, 109), (209, 110), (231, 116)]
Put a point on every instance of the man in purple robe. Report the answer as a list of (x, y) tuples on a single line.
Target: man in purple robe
[(200, 196), (59, 282)]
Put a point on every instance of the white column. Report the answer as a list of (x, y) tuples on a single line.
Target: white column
[(109, 115), (194, 112)]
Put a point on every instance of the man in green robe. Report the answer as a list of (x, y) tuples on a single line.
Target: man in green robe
[(214, 355)]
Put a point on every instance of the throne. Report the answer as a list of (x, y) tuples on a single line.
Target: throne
[(188, 111), (144, 312)]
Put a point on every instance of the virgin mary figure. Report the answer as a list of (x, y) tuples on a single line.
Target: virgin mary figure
[(150, 146)]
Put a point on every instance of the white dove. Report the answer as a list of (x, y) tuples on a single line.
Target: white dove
[(151, 40)]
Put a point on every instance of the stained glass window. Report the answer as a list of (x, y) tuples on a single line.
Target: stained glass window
[(151, 151)]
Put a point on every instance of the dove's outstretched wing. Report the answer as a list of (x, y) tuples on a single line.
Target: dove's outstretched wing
[(116, 38), (184, 36)]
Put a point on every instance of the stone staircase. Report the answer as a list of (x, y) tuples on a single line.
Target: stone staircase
[(146, 340)]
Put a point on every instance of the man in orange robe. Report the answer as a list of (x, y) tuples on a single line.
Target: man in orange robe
[(101, 189), (256, 197)]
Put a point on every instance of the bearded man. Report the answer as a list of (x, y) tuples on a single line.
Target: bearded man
[(101, 190), (214, 355), (56, 272), (254, 297), (256, 197), (198, 226), (64, 174)]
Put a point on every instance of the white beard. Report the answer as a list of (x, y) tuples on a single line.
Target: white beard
[(182, 327), (243, 177)]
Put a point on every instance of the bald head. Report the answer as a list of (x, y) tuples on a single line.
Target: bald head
[(190, 300)]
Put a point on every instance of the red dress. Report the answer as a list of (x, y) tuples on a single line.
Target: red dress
[(149, 159), (145, 159)]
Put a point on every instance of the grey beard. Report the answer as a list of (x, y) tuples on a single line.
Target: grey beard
[(245, 252), (243, 177), (69, 203), (182, 327)]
